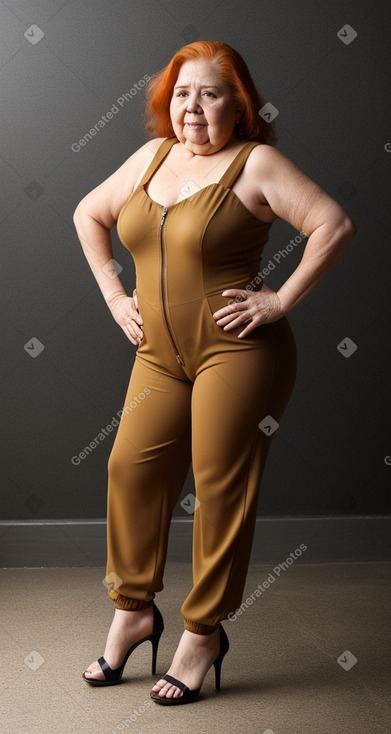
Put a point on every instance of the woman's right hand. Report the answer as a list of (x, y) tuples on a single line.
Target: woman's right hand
[(125, 312)]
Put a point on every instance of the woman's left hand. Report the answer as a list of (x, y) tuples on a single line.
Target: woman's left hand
[(249, 309)]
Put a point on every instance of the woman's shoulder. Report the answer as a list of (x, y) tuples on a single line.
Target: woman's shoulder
[(153, 144), (264, 152), (143, 157), (267, 163), (151, 147)]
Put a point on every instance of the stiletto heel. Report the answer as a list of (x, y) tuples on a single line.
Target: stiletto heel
[(114, 676), (224, 647), (188, 695), (155, 639)]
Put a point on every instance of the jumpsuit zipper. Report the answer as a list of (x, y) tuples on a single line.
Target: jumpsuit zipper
[(163, 290)]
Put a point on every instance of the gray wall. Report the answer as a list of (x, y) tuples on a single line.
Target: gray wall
[(329, 455)]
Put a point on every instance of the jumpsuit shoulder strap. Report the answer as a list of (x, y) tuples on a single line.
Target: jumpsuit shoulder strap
[(237, 164), (160, 154)]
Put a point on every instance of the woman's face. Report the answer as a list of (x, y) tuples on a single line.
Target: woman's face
[(203, 111)]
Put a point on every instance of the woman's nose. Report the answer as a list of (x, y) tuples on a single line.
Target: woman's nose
[(193, 104)]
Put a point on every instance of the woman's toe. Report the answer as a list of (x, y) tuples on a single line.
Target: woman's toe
[(94, 672), (166, 690), (158, 686)]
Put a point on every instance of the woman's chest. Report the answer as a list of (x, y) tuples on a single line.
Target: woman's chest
[(168, 187)]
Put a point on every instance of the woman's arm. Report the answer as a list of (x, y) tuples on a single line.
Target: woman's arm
[(94, 216), (300, 201)]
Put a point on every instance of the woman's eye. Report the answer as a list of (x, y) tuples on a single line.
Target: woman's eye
[(184, 94)]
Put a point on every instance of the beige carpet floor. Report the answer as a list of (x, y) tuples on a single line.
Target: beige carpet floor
[(310, 655)]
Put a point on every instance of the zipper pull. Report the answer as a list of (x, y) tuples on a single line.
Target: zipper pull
[(179, 359), (163, 216)]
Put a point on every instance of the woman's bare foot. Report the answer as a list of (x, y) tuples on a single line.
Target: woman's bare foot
[(126, 629), (192, 660)]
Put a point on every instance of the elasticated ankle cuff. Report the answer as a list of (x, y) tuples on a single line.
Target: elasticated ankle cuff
[(130, 605), (200, 629)]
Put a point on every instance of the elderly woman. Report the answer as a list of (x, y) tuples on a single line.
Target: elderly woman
[(215, 359)]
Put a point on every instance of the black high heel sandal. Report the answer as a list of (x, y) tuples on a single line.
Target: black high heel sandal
[(114, 676), (188, 695)]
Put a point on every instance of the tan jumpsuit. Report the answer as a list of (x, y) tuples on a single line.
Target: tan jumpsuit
[(204, 393)]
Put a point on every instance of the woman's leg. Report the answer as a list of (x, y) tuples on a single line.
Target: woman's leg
[(229, 454), (230, 398), (147, 468)]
